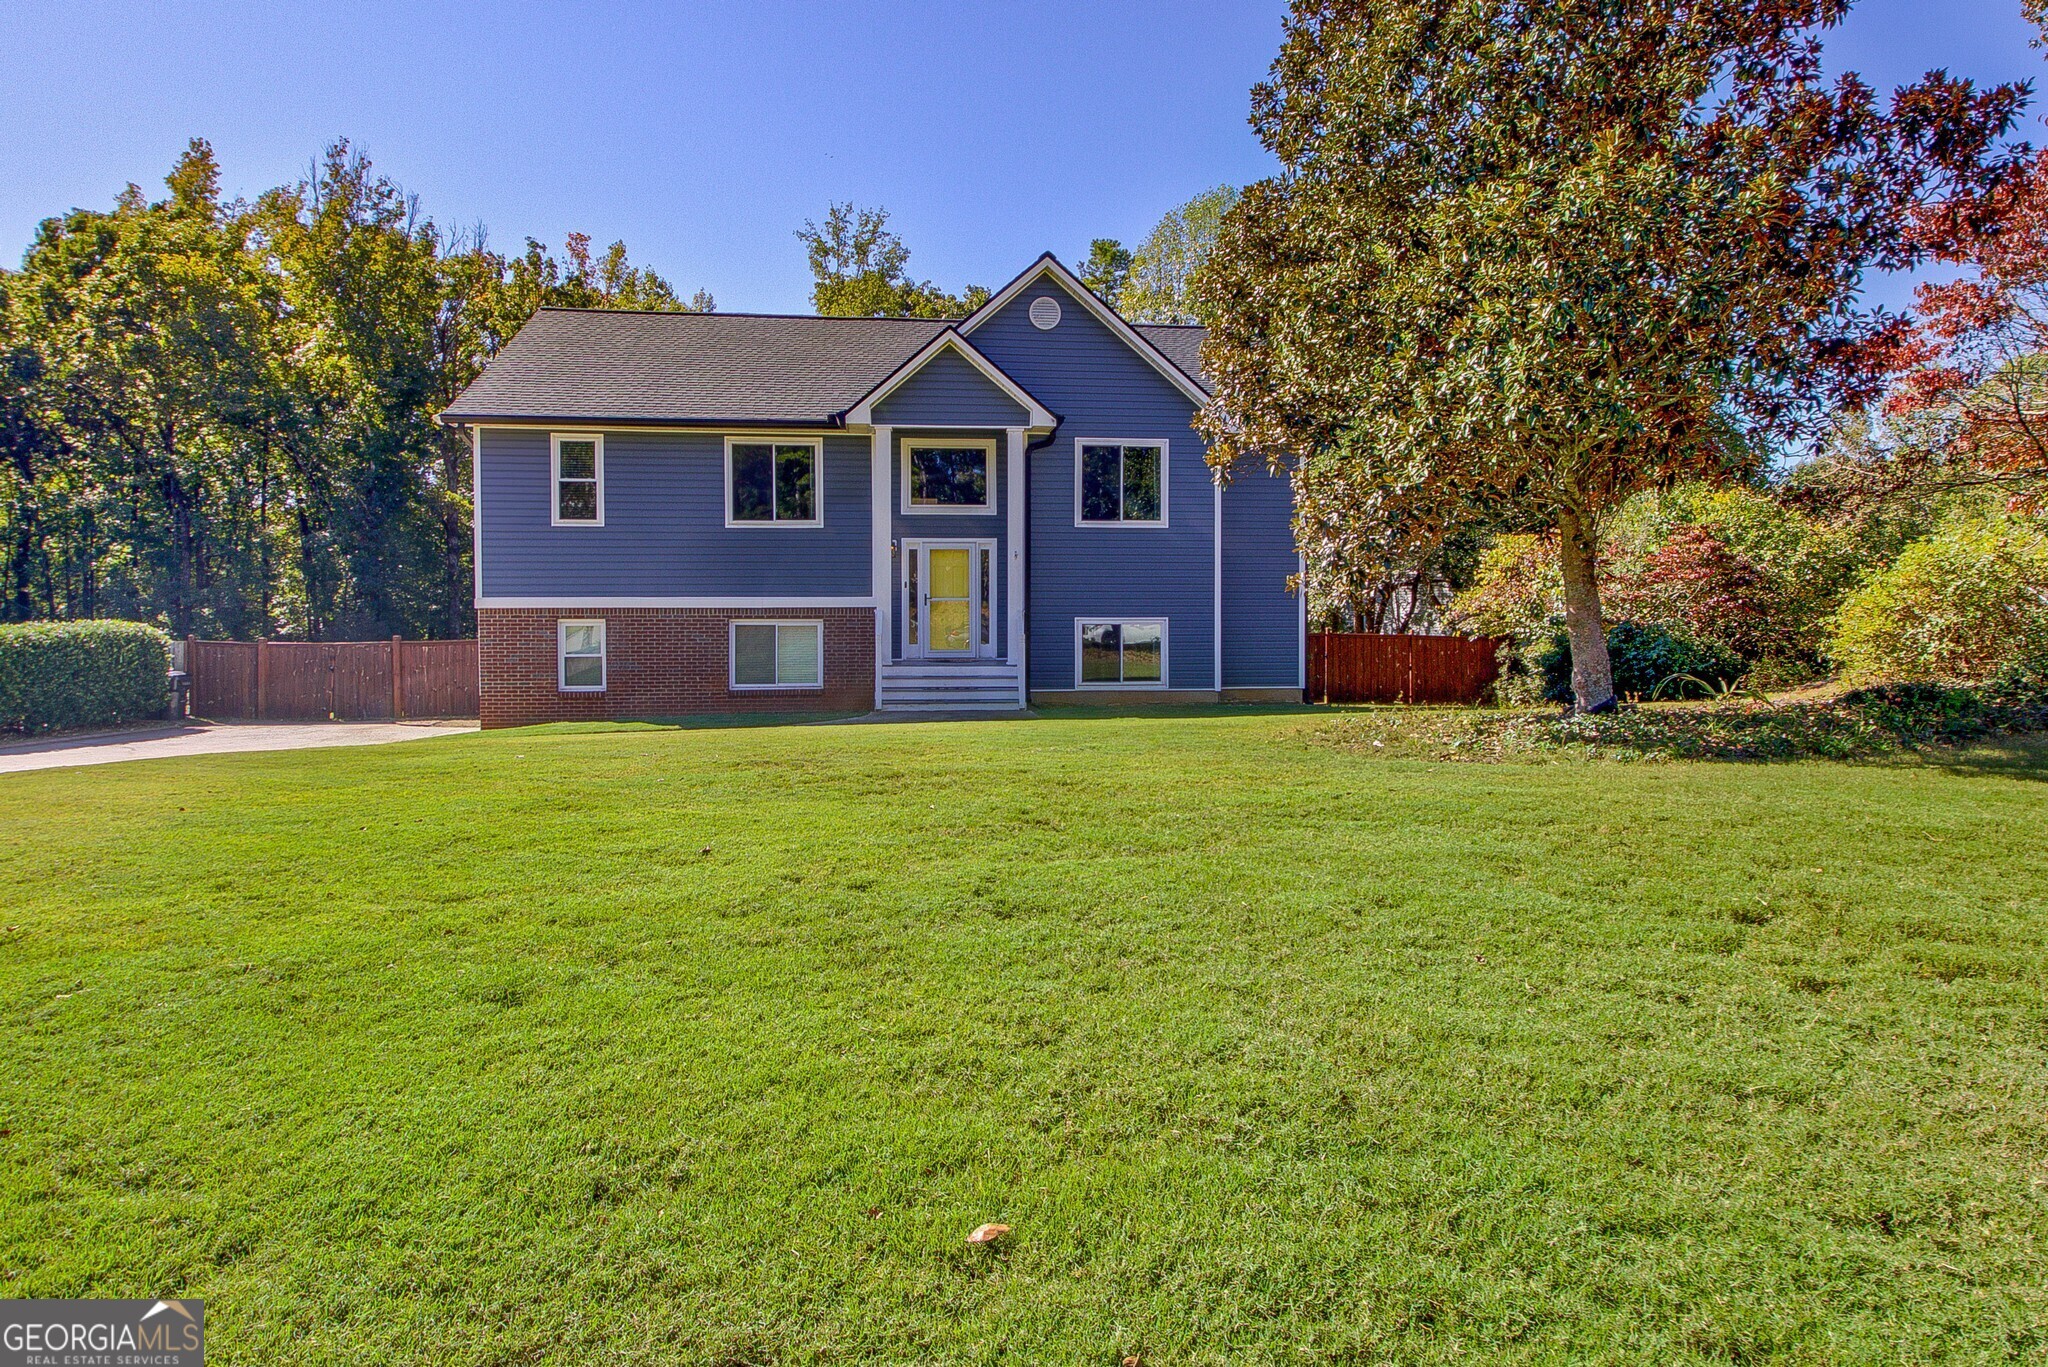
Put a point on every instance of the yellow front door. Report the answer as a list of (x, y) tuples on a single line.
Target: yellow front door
[(949, 600)]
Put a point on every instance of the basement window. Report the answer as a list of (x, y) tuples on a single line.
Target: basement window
[(1120, 654), (579, 656), (778, 654)]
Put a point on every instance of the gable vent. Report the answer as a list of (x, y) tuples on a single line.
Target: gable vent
[(1045, 313)]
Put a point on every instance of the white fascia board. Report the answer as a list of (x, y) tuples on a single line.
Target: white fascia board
[(568, 602)]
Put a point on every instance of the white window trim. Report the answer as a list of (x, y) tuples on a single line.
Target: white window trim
[(1106, 620), (732, 655), (817, 445), (1165, 482), (555, 440), (604, 653), (985, 508)]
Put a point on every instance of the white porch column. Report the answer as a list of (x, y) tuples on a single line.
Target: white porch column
[(882, 508), (1014, 591)]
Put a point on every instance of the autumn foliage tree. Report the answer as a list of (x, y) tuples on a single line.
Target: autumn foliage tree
[(1971, 406), (1523, 260)]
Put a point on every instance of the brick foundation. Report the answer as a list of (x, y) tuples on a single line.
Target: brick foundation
[(661, 662)]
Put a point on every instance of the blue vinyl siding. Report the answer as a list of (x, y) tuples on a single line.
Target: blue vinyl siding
[(1101, 388), (1261, 619), (664, 532), (950, 390), (945, 526)]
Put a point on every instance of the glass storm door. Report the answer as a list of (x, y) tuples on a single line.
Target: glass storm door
[(949, 612)]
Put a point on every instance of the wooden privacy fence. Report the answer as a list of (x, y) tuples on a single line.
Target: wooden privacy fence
[(1361, 667), (341, 680)]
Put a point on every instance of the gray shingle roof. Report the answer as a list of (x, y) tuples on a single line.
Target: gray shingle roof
[(1179, 343), (597, 364), (593, 365)]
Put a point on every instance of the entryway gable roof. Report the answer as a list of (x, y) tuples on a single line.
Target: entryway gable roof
[(1037, 415)]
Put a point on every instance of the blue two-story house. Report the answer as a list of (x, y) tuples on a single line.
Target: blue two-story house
[(681, 512)]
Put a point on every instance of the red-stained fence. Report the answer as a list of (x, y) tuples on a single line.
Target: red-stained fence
[(1361, 667), (342, 680)]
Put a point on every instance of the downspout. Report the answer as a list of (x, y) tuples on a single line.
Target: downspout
[(1024, 539)]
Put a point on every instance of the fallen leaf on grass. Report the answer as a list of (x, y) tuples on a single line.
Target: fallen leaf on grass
[(987, 1234)]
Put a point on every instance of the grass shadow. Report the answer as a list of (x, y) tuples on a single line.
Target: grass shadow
[(722, 721), (1139, 710), (2020, 757)]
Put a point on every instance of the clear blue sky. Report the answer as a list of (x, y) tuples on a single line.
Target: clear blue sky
[(704, 134)]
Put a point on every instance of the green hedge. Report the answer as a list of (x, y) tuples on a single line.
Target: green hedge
[(59, 675)]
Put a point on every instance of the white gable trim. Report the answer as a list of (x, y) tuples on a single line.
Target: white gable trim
[(1104, 314), (863, 413)]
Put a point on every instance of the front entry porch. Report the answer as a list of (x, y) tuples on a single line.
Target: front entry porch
[(949, 566), (950, 654)]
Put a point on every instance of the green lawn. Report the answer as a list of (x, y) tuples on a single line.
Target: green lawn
[(630, 1044)]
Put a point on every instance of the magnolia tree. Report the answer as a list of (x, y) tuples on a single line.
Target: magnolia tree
[(1525, 258)]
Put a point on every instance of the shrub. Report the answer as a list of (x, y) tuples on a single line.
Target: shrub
[(1959, 607), (1644, 655), (57, 675), (1517, 589), (1698, 584), (1778, 574)]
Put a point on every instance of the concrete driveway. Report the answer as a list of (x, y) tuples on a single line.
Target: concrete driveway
[(212, 738)]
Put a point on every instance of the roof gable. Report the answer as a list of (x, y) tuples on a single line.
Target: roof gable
[(1048, 264), (955, 357)]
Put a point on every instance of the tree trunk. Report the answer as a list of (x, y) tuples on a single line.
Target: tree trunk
[(1584, 624)]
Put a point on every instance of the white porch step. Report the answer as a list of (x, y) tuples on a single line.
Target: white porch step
[(949, 709), (946, 686), (937, 680), (952, 668)]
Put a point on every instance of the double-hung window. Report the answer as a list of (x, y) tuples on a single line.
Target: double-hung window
[(948, 476), (1119, 483), (778, 654), (1120, 653), (577, 464), (579, 656), (772, 483)]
